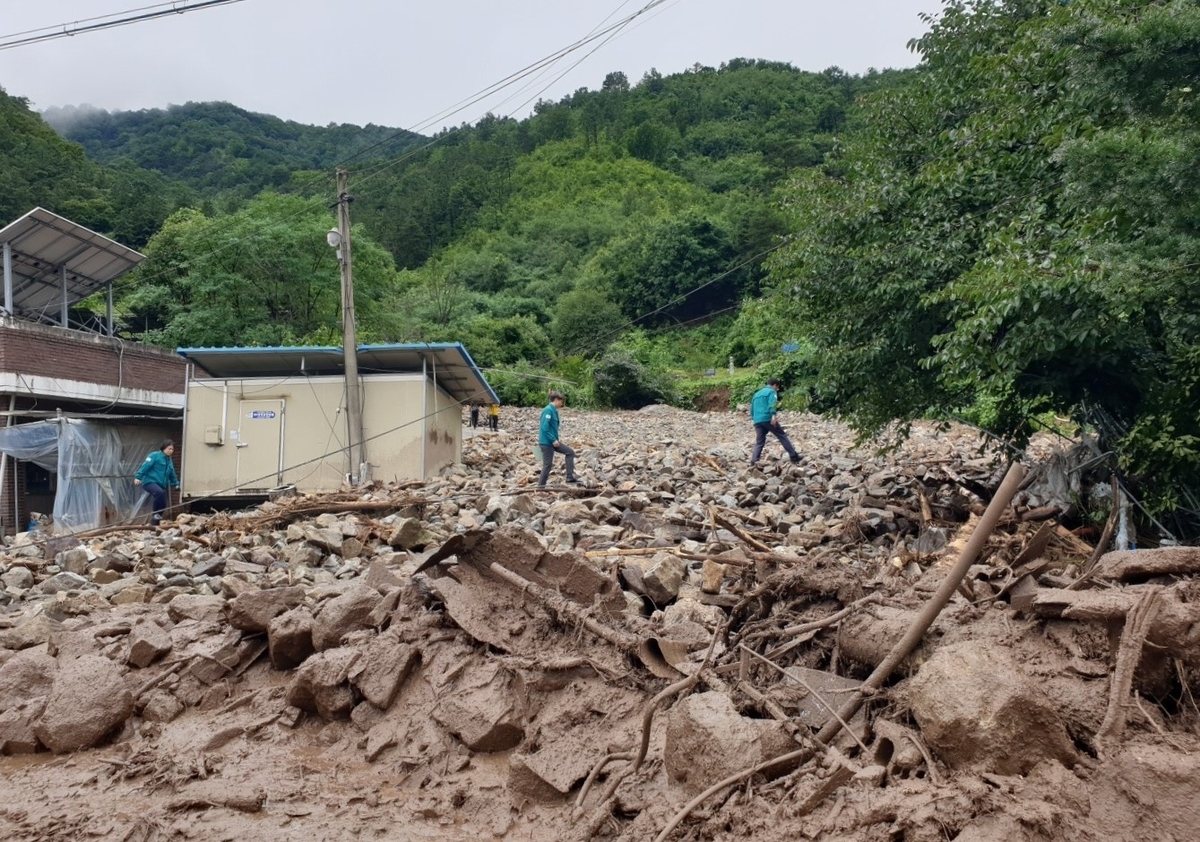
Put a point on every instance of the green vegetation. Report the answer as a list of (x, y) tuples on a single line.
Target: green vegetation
[(1006, 233), (40, 169), (217, 148), (1016, 233)]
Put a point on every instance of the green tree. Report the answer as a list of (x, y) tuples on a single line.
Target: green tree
[(1012, 231), (586, 322), (263, 276)]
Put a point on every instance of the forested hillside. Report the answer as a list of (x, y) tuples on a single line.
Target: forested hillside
[(215, 146), (38, 168), (539, 243)]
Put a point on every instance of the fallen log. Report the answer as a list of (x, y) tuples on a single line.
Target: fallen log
[(1175, 626), (1133, 565)]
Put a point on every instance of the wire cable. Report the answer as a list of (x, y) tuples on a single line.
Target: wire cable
[(95, 24)]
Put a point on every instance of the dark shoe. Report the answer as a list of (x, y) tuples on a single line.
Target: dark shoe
[(795, 460), (574, 481)]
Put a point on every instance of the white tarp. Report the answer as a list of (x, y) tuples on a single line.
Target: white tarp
[(94, 462)]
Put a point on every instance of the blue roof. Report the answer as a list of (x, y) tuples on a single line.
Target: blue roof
[(453, 367)]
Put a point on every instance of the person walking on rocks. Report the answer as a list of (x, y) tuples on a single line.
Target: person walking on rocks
[(156, 475), (474, 415), (549, 441), (763, 408), (494, 417)]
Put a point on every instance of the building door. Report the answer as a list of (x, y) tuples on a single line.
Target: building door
[(259, 444)]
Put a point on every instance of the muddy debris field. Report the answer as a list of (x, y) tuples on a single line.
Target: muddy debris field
[(912, 645)]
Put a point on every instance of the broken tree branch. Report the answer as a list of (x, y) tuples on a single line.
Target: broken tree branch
[(901, 650)]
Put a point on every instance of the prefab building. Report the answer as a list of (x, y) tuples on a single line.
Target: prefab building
[(260, 419)]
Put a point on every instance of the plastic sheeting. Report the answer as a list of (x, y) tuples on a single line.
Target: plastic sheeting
[(94, 462)]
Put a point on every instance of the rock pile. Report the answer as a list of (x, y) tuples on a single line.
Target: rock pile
[(478, 657)]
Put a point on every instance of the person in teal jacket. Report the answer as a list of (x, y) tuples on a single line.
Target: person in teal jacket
[(549, 441), (156, 475), (763, 408)]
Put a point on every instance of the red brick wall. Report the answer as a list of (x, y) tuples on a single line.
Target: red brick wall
[(73, 355)]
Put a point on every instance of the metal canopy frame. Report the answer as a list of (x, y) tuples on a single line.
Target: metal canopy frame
[(50, 263), (455, 371)]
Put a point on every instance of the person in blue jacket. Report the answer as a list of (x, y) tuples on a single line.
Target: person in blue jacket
[(156, 475), (763, 408), (549, 441)]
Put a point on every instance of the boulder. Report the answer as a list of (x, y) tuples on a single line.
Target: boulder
[(342, 615), (322, 684), (708, 740), (32, 631), (664, 578), (980, 712), (148, 641), (26, 675), (209, 609), (485, 713), (289, 638), (406, 534), (253, 611), (89, 701), (385, 666), (16, 727)]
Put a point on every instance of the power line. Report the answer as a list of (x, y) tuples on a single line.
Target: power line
[(94, 24), (366, 175)]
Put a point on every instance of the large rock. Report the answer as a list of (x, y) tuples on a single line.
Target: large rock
[(385, 666), (342, 615), (322, 684), (708, 740), (32, 631), (289, 638), (25, 676), (484, 712), (88, 703), (63, 582), (16, 727), (982, 713), (664, 579), (209, 609), (148, 641), (407, 533), (328, 539), (253, 611)]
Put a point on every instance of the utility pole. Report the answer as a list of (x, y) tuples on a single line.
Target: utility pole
[(354, 422)]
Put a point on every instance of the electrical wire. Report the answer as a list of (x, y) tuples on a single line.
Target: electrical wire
[(101, 22), (218, 226)]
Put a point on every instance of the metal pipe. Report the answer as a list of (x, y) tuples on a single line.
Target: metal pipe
[(12, 403), (109, 309), (424, 414), (62, 273), (8, 282)]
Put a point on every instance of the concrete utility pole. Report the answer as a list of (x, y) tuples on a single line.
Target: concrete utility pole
[(354, 422)]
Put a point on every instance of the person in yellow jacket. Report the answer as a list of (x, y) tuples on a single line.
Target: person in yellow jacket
[(494, 417)]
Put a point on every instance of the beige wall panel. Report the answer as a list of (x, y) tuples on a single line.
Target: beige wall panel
[(393, 424), (314, 430), (443, 430)]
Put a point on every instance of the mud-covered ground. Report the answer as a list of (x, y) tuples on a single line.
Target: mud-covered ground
[(346, 667)]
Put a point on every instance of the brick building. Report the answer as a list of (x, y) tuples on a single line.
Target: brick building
[(80, 407)]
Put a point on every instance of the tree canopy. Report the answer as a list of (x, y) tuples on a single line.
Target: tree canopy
[(1015, 232)]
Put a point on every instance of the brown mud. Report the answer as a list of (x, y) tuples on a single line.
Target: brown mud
[(592, 663)]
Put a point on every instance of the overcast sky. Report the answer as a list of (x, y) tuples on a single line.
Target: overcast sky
[(403, 64)]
